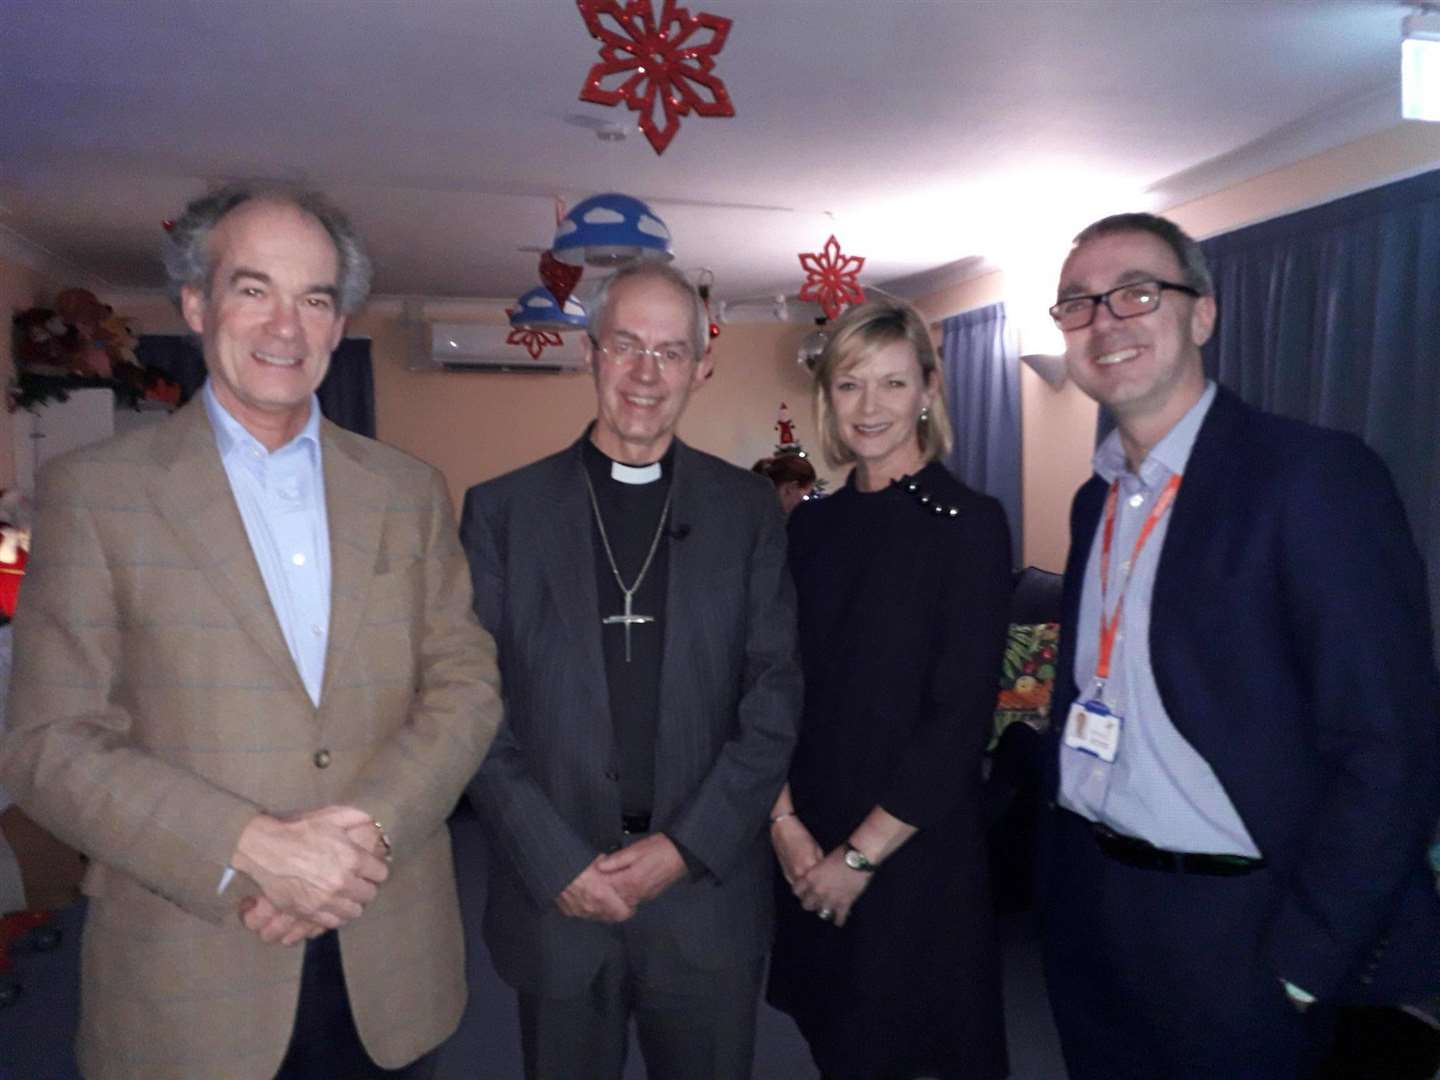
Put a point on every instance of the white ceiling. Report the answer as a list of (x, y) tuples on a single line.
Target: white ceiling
[(927, 135)]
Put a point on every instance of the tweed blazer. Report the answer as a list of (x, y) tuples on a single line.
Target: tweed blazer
[(730, 693), (155, 709)]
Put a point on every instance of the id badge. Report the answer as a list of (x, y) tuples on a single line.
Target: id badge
[(1092, 728)]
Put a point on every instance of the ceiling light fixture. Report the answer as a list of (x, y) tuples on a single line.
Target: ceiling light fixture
[(1420, 65), (538, 310), (610, 230)]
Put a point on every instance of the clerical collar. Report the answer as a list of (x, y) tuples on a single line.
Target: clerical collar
[(631, 474), (637, 475)]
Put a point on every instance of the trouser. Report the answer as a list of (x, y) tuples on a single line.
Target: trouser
[(692, 1023), (325, 1044), (1160, 976)]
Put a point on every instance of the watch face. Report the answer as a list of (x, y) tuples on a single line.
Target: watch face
[(856, 861)]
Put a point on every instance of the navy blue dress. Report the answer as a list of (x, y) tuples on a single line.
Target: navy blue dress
[(902, 623)]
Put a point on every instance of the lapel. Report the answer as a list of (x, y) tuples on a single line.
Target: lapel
[(1212, 471), (694, 615), (355, 507), (683, 596), (192, 495), (560, 536)]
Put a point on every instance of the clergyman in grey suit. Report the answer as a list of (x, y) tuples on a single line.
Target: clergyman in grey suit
[(646, 630)]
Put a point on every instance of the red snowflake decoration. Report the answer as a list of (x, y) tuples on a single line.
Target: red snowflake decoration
[(651, 64), (534, 341), (831, 278)]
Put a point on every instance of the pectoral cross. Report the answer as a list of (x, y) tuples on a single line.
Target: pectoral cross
[(628, 619)]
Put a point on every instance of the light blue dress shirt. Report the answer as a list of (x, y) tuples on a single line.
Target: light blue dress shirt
[(281, 496), (1158, 787)]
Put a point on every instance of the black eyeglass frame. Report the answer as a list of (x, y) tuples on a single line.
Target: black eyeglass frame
[(1096, 299)]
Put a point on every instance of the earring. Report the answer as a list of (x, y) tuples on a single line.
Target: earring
[(925, 415)]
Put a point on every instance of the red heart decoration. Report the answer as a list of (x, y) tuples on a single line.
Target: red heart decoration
[(560, 278)]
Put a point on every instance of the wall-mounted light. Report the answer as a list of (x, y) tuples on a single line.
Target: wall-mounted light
[(1420, 65)]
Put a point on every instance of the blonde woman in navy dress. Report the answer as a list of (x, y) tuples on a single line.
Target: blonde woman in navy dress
[(885, 949)]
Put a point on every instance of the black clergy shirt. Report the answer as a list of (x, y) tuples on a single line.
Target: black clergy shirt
[(632, 514)]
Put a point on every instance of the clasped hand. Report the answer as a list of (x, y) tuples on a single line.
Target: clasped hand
[(316, 870), (613, 886), (830, 885)]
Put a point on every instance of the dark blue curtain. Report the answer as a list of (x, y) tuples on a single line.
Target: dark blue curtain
[(981, 365), (347, 395), (1332, 315)]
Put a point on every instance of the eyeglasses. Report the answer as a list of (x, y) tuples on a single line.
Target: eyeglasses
[(628, 351), (1123, 301)]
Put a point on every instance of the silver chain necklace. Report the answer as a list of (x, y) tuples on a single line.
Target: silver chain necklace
[(628, 618)]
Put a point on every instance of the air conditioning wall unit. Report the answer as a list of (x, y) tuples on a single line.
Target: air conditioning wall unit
[(496, 348)]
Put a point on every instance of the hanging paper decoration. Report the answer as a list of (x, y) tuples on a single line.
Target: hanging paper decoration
[(534, 342), (658, 67), (537, 310), (610, 230), (831, 278), (560, 278)]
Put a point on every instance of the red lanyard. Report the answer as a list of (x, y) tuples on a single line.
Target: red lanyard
[(1111, 626)]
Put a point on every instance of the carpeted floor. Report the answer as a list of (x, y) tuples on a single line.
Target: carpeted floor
[(36, 1032)]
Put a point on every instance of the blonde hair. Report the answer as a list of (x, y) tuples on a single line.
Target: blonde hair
[(858, 334)]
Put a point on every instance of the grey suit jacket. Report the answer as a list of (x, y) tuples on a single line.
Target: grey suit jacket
[(730, 694), (155, 709)]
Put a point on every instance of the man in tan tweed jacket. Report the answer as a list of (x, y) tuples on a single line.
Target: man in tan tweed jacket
[(248, 683)]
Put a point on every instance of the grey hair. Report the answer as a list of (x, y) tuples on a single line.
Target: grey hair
[(1187, 251), (190, 262), (658, 271)]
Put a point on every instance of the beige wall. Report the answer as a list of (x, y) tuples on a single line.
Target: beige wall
[(473, 426), (1058, 427), (477, 426)]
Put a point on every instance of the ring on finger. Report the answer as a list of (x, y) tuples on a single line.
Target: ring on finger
[(825, 914)]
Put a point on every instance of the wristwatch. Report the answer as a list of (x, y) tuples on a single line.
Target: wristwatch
[(856, 860)]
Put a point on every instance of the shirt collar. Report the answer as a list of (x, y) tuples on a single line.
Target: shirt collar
[(602, 466), (231, 436), (1167, 457)]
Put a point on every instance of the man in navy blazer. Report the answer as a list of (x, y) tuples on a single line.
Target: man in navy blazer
[(1246, 713)]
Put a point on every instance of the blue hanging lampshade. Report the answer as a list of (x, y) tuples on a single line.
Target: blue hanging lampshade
[(610, 230), (539, 310)]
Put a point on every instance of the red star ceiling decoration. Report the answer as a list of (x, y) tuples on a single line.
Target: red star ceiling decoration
[(659, 67), (535, 342), (831, 278)]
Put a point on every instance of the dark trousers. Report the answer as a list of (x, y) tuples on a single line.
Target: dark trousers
[(1381, 1044), (325, 1044), (692, 1023), (1160, 976)]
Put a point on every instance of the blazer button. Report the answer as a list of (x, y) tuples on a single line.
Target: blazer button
[(322, 759), (612, 774)]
